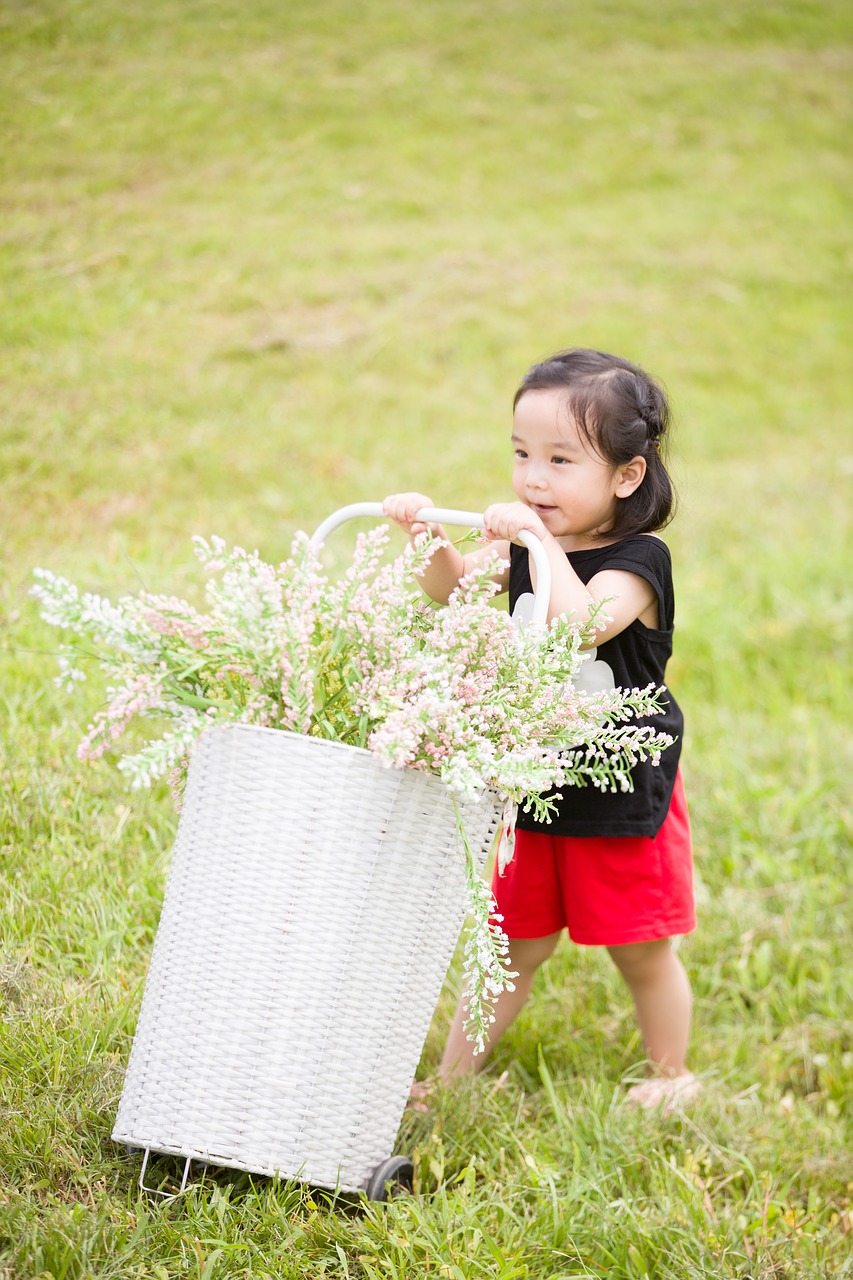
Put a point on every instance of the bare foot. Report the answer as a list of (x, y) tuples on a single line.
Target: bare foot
[(419, 1095), (669, 1093)]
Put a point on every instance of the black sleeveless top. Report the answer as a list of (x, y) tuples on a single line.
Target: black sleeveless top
[(637, 658)]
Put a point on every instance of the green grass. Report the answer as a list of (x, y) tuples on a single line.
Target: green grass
[(260, 260)]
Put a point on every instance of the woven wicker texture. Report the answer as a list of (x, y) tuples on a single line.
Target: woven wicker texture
[(313, 907)]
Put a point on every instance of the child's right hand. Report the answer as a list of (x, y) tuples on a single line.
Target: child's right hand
[(402, 509)]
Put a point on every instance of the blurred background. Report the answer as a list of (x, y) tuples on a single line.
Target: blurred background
[(261, 260)]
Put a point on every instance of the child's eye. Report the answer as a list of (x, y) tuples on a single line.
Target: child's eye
[(561, 460), (520, 454)]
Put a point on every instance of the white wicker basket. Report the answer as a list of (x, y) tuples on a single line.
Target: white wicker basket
[(313, 906)]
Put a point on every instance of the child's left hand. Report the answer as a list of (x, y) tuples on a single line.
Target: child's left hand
[(507, 519)]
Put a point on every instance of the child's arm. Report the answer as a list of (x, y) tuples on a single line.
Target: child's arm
[(628, 596), (447, 564)]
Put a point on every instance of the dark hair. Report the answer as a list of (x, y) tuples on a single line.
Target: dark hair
[(623, 413)]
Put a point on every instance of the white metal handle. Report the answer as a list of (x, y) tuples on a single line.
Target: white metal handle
[(447, 515)]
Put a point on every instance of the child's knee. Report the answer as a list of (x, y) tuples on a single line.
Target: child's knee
[(642, 961), (527, 954)]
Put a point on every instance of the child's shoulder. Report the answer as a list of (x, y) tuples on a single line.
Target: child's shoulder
[(644, 553), (642, 545)]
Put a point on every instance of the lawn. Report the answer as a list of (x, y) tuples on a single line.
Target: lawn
[(261, 260)]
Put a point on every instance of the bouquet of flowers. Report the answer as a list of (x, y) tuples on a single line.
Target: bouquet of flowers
[(459, 692)]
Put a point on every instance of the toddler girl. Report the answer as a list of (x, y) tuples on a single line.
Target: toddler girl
[(615, 869)]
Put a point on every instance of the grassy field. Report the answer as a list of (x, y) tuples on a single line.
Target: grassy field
[(259, 260)]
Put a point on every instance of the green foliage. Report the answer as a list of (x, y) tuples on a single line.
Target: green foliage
[(260, 260)]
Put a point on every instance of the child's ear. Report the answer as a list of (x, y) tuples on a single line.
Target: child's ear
[(630, 477)]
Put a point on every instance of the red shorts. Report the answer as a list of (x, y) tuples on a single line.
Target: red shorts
[(606, 890)]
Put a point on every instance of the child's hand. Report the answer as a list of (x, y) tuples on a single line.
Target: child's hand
[(507, 519), (402, 509)]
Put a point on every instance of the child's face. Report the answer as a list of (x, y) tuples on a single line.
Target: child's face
[(558, 473)]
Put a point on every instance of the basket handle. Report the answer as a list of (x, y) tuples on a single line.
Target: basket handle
[(447, 515)]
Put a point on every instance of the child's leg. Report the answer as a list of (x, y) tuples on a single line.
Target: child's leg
[(663, 1002), (661, 992), (525, 957)]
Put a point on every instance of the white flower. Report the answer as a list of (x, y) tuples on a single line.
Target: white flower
[(458, 692)]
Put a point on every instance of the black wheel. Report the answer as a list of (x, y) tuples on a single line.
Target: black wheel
[(390, 1178)]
